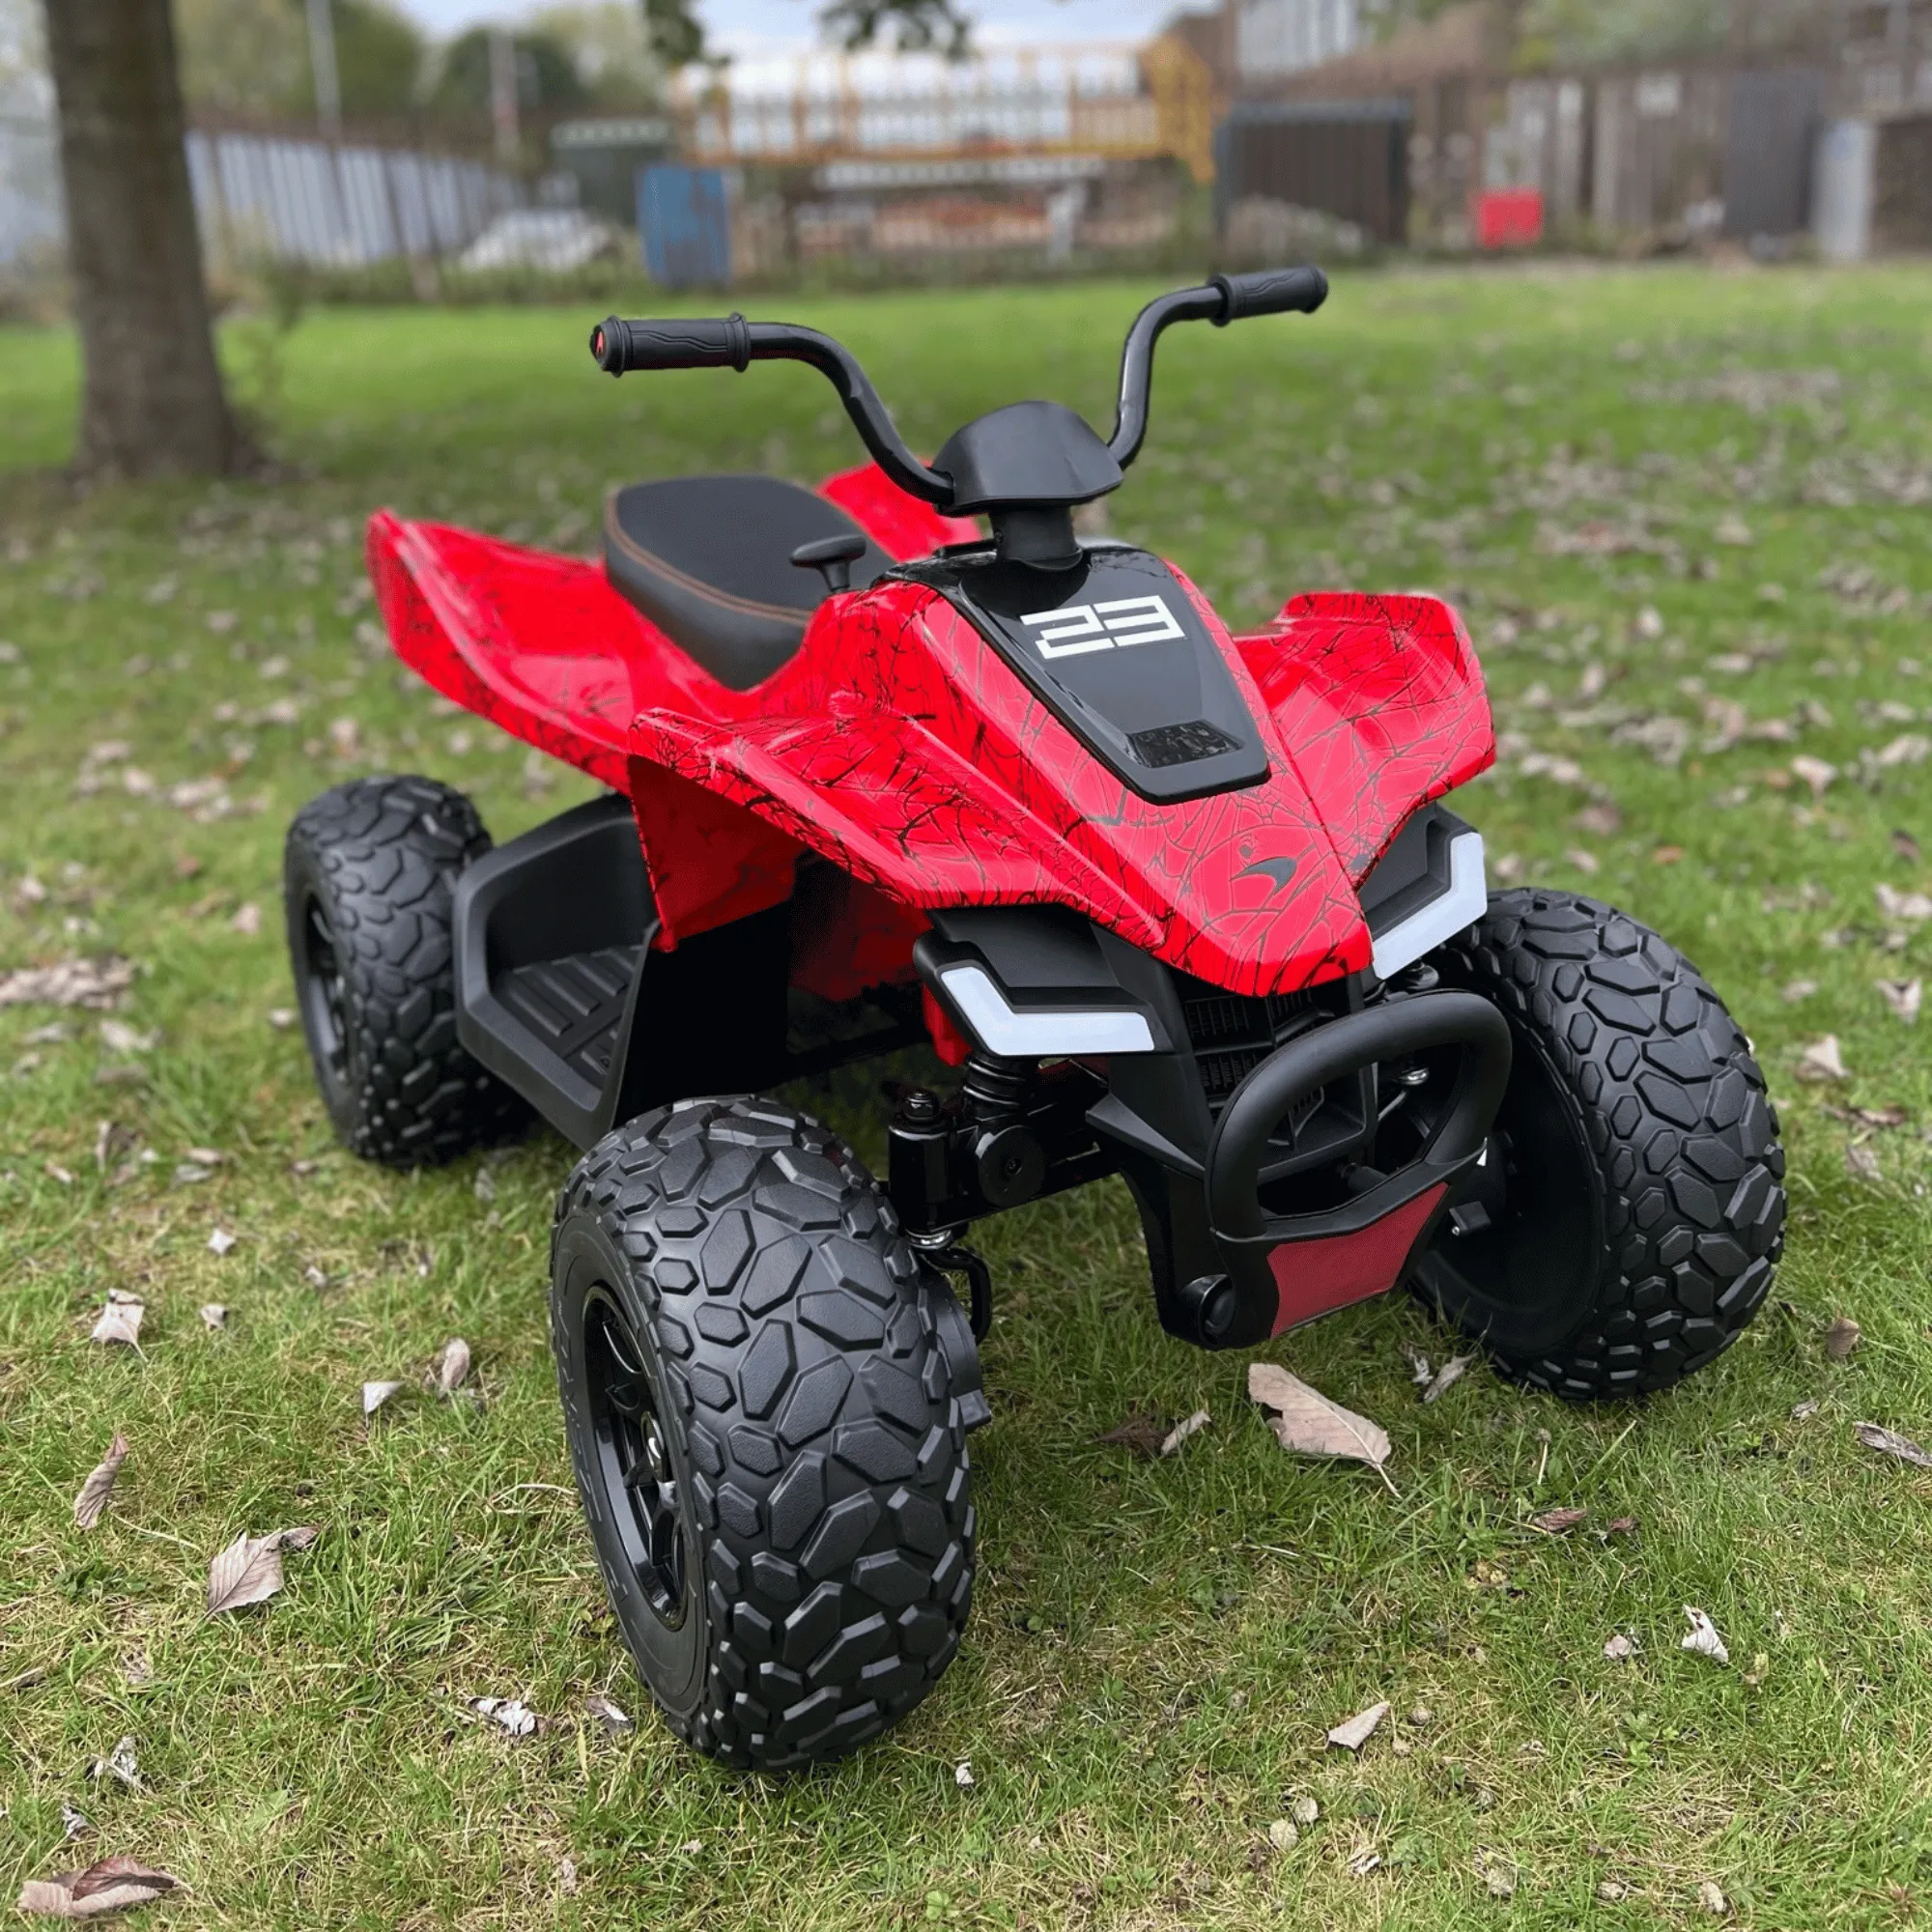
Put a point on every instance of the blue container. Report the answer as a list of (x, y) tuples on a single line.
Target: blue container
[(683, 222)]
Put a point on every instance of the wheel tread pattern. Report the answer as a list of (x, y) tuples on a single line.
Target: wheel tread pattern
[(1678, 1120), (831, 1485), (385, 853)]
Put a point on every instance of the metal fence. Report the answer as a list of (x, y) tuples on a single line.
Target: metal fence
[(329, 205)]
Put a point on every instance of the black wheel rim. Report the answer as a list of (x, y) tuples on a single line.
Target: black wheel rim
[(634, 1466), (321, 990)]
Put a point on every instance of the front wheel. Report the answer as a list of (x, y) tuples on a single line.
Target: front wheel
[(1632, 1214), (766, 1396)]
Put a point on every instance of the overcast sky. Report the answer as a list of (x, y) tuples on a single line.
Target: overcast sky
[(746, 26)]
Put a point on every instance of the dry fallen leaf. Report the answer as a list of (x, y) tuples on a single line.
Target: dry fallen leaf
[(1584, 861), (1906, 846), (515, 1717), (119, 1763), (963, 1774), (1815, 773), (609, 1713), (1799, 989), (215, 1315), (1142, 1433), (247, 919), (301, 1537), (1888, 1443), (1358, 1729), (114, 1884), (1711, 1896), (92, 1500), (1283, 1834), (1620, 1649), (1803, 1412), (450, 1366), (1862, 1162), (1902, 996), (73, 983), (1191, 1425), (121, 1320), (1558, 1522), (1306, 1422), (1447, 1377), (1841, 1336), (220, 1241), (1704, 1640), (250, 1571), (376, 1394), (1911, 907), (1821, 1061)]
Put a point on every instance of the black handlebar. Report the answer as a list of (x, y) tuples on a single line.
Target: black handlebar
[(1224, 298), (733, 343)]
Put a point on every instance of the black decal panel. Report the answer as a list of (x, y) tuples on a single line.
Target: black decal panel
[(1115, 650)]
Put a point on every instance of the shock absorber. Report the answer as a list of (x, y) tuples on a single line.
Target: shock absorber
[(1008, 1161)]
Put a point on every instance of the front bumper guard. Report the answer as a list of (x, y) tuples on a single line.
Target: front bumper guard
[(1281, 1270)]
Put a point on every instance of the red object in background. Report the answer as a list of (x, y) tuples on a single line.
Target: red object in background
[(901, 746), (1508, 217)]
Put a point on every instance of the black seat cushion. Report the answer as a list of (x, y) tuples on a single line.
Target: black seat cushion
[(708, 560)]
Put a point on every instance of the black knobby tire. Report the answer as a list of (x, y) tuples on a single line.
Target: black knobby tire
[(766, 1396), (366, 876), (1641, 1212)]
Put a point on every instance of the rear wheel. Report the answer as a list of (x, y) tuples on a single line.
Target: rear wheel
[(367, 874), (1632, 1206), (766, 1396)]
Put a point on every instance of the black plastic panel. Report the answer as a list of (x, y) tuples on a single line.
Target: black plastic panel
[(1114, 649), (1414, 871)]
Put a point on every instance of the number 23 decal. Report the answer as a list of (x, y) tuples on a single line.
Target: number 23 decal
[(1079, 628)]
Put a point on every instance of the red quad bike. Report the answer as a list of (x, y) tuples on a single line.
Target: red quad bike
[(1176, 905)]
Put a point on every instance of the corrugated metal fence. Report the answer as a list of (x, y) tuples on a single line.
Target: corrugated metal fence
[(263, 196)]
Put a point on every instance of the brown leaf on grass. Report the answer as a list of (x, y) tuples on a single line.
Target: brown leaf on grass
[(1906, 846), (1821, 1059), (1887, 1442), (1815, 773), (120, 1322), (1841, 1336), (1619, 1648), (1447, 1377), (247, 919), (1911, 907), (609, 1713), (74, 982), (91, 1501), (1558, 1522), (1191, 1425), (1862, 1163), (376, 1394), (1307, 1423), (1902, 997), (215, 1315), (250, 1571), (1803, 1412), (451, 1366), (514, 1716), (1142, 1433), (114, 1884), (1666, 855), (1353, 1734)]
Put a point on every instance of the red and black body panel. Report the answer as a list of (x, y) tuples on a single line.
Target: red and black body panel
[(908, 765)]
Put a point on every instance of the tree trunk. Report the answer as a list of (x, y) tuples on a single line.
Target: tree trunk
[(153, 400)]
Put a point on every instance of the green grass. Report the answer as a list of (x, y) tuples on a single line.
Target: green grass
[(1157, 1650)]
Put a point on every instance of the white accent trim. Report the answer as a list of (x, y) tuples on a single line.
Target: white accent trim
[(1461, 905), (999, 1028)]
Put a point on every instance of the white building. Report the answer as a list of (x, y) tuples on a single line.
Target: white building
[(1277, 38)]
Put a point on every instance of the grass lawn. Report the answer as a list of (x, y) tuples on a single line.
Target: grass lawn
[(1685, 515)]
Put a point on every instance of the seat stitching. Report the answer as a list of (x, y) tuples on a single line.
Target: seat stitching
[(635, 553)]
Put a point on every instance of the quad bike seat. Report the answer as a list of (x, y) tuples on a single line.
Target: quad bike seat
[(708, 560)]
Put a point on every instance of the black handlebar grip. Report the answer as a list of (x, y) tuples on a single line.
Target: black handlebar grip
[(1270, 292), (683, 344)]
